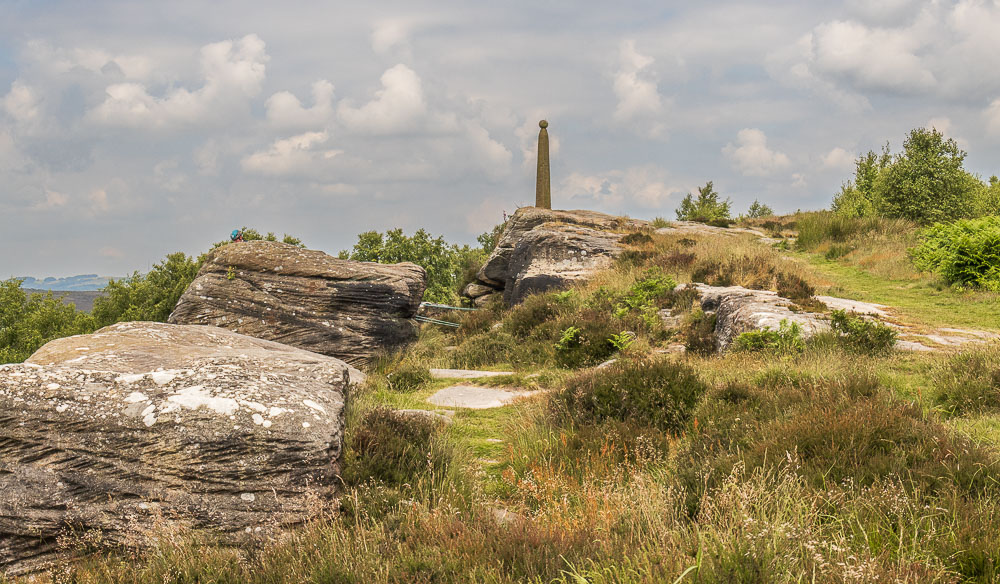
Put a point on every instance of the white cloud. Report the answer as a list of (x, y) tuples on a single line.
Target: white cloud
[(942, 125), (397, 107), (297, 156), (838, 159), (53, 199), (286, 111), (22, 103), (233, 72), (872, 57), (752, 157), (639, 99), (98, 200), (389, 34), (645, 186)]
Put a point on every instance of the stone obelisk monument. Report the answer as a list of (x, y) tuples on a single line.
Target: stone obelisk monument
[(543, 191)]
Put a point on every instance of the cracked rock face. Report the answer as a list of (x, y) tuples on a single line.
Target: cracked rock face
[(305, 298), (542, 249), (141, 423)]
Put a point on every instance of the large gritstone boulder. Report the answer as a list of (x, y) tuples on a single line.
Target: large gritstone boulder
[(739, 310), (542, 249), (305, 298), (142, 423)]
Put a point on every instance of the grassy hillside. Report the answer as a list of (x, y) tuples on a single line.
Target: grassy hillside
[(823, 464)]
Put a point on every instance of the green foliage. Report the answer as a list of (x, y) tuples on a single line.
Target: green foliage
[(758, 209), (29, 321), (150, 296), (706, 208), (393, 448), (489, 240), (623, 340), (649, 291), (659, 393), (868, 337), (446, 264), (569, 339), (925, 183), (408, 377), (858, 198), (659, 223), (787, 339), (966, 252), (586, 344)]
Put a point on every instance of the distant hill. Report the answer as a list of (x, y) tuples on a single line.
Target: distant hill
[(72, 283), (83, 299)]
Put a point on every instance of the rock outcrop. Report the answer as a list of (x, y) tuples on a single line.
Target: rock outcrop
[(141, 423), (739, 310), (305, 298), (541, 249)]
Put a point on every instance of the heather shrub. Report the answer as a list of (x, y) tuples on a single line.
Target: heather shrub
[(868, 337), (699, 332), (969, 382), (393, 448), (659, 393), (408, 377)]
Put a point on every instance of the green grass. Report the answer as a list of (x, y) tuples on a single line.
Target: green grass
[(919, 302)]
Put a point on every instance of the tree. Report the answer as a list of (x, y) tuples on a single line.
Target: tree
[(758, 209), (926, 182), (858, 198), (150, 296), (445, 263), (706, 208), (28, 322)]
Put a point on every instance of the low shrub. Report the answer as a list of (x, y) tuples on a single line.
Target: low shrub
[(965, 252), (969, 382), (586, 340), (659, 393), (868, 337), (794, 287), (408, 377), (636, 238), (829, 430), (535, 310), (393, 448), (699, 332), (750, 271), (787, 339)]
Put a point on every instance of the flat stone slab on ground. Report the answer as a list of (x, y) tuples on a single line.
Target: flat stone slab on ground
[(465, 373), (475, 397)]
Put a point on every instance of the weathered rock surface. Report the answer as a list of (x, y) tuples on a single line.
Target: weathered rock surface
[(696, 228), (305, 298), (739, 310), (145, 422), (542, 249)]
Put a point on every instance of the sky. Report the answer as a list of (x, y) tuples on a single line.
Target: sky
[(130, 130)]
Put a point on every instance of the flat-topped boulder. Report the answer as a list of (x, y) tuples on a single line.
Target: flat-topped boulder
[(542, 249), (141, 423), (305, 298)]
